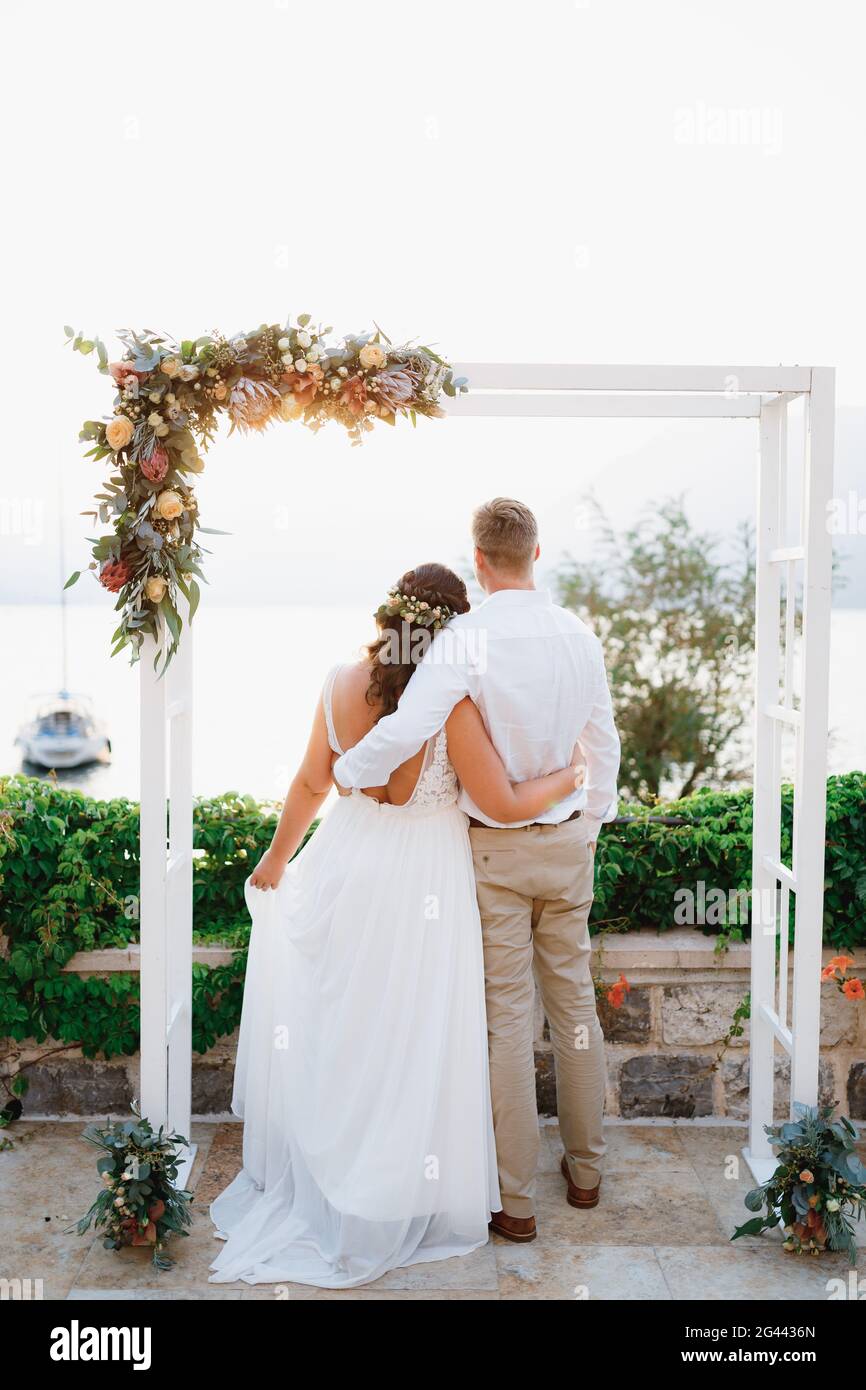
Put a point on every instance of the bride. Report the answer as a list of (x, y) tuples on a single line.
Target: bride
[(361, 1071)]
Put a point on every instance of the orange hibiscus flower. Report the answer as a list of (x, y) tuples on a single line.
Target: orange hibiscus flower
[(841, 963), (853, 989), (617, 992)]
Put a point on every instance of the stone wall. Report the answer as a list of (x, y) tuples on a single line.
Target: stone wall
[(661, 1045)]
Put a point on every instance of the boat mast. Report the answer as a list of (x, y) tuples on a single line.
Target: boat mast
[(61, 531)]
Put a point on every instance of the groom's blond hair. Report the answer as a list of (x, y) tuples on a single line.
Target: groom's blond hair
[(506, 532)]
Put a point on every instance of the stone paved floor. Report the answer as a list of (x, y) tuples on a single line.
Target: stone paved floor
[(660, 1232)]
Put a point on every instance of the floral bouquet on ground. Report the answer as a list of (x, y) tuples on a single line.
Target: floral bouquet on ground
[(140, 1204), (818, 1185)]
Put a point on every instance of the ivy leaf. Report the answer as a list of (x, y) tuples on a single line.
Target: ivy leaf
[(194, 598)]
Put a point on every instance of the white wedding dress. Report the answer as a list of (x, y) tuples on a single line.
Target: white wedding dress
[(362, 1074)]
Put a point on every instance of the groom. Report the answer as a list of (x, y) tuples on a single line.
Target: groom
[(536, 673)]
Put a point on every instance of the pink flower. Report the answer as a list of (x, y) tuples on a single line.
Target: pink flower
[(114, 575), (156, 467), (354, 395), (121, 370), (396, 387), (305, 385)]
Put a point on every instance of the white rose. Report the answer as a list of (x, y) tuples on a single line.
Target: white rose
[(304, 339), (371, 355), (335, 384), (288, 359), (155, 588), (313, 354), (169, 505), (154, 419), (301, 364), (284, 344)]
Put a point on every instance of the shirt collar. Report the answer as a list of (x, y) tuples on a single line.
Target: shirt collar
[(521, 596)]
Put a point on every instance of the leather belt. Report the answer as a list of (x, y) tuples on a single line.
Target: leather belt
[(476, 824)]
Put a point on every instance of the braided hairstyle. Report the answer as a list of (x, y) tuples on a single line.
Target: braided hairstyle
[(398, 649)]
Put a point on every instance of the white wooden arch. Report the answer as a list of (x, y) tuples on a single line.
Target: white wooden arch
[(793, 552)]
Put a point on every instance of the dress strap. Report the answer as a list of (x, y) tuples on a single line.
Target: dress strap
[(329, 713)]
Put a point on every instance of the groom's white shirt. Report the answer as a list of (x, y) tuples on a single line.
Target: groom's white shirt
[(536, 673)]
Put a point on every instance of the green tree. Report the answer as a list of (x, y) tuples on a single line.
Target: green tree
[(677, 625)]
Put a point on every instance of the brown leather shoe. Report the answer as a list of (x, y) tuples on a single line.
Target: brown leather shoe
[(520, 1229), (583, 1197)]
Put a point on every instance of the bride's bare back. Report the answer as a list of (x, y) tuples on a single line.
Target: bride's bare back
[(472, 755), (354, 717)]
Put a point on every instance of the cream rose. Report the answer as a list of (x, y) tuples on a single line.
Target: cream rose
[(155, 588), (169, 366), (169, 505), (119, 432), (372, 355)]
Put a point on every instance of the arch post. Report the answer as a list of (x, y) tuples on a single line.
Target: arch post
[(166, 890)]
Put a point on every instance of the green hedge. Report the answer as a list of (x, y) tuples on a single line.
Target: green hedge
[(69, 880), (643, 864)]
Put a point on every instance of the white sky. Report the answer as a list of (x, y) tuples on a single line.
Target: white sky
[(512, 182)]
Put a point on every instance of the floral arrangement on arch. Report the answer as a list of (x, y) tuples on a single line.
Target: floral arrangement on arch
[(169, 398)]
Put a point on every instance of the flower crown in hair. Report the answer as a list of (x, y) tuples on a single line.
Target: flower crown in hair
[(413, 610)]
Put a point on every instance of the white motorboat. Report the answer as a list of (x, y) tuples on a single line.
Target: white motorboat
[(63, 731)]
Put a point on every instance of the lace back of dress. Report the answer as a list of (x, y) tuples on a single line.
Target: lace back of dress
[(437, 784)]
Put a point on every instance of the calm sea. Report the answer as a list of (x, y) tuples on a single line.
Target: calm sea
[(258, 672)]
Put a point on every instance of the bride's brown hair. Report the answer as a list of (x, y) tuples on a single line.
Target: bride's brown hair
[(433, 584)]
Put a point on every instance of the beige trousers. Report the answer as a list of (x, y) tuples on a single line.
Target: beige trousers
[(534, 893)]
